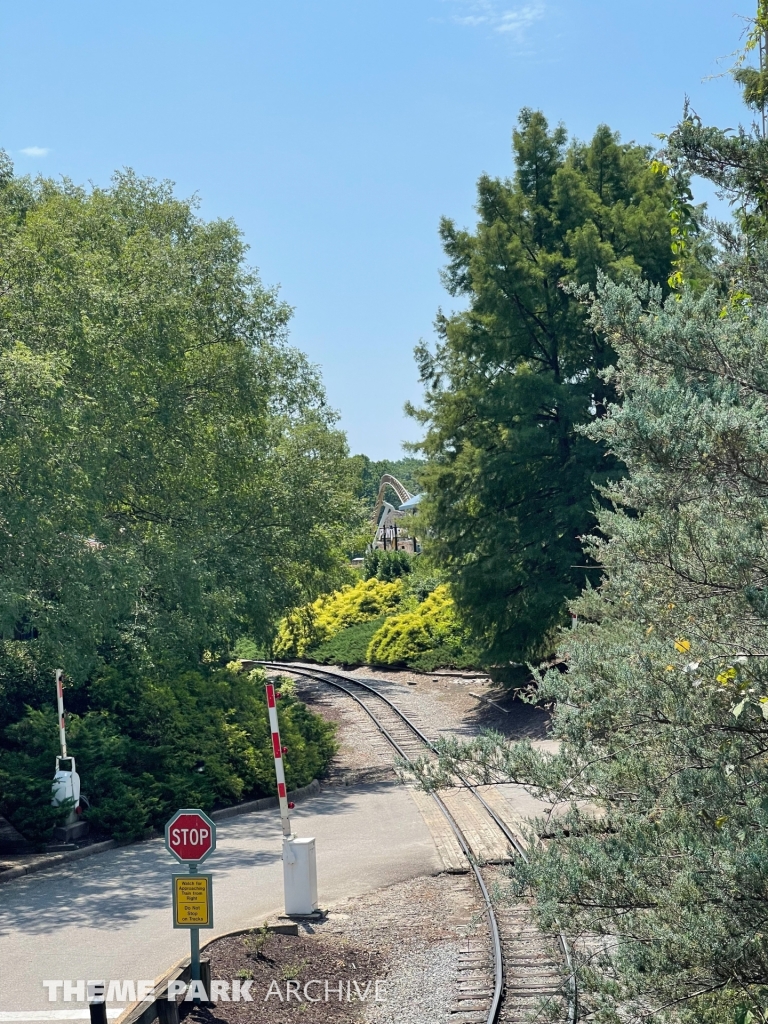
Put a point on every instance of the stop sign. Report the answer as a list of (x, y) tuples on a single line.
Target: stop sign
[(190, 836)]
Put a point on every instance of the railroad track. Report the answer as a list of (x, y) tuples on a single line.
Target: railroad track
[(524, 969)]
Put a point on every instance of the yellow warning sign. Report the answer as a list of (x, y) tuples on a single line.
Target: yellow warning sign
[(192, 901)]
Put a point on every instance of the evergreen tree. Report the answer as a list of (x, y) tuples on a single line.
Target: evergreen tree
[(655, 843), (509, 477), (657, 866)]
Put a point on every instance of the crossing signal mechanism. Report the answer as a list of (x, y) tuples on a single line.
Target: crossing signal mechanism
[(66, 781), (299, 864)]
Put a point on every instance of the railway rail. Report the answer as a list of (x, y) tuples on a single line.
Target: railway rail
[(526, 949)]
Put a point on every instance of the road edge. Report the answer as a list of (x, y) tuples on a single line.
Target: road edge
[(56, 859)]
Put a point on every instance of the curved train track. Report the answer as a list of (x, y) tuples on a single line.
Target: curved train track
[(410, 742)]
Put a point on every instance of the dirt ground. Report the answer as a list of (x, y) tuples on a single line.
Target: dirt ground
[(294, 978), (443, 704), (459, 702)]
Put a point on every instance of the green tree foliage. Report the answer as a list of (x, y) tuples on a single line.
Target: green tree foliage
[(170, 474), (509, 477), (735, 161), (754, 80), (386, 565), (169, 471)]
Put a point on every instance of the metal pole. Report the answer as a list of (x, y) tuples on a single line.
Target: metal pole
[(97, 1011), (60, 702), (763, 53), (277, 750), (762, 48), (194, 945)]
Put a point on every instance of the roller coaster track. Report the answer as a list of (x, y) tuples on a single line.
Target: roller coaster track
[(388, 481), (347, 685)]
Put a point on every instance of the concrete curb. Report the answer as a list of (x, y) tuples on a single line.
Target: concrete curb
[(265, 802), (54, 860)]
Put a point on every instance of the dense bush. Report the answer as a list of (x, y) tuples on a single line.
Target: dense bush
[(422, 580), (311, 625), (409, 621), (430, 626), (387, 565), (349, 647), (464, 655), (154, 743)]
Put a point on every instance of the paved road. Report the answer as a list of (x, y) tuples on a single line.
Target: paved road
[(109, 916)]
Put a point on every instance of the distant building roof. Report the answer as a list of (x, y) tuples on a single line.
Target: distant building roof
[(412, 502)]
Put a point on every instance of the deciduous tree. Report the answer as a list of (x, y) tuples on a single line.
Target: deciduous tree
[(170, 473)]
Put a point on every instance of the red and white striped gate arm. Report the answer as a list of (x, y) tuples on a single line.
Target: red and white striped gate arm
[(277, 750), (60, 702)]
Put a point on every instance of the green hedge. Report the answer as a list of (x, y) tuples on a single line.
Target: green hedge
[(311, 625), (349, 647), (387, 565), (411, 621)]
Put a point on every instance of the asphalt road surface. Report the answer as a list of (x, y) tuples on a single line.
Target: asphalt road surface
[(109, 916)]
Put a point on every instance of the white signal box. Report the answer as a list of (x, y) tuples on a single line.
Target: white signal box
[(299, 877)]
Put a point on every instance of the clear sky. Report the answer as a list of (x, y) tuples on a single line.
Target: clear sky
[(337, 132)]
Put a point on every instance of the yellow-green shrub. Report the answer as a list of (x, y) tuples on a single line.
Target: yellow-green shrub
[(313, 624), (430, 625)]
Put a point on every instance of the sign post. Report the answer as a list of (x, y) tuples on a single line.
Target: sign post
[(190, 836)]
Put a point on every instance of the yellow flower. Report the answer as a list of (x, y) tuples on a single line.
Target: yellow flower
[(682, 645)]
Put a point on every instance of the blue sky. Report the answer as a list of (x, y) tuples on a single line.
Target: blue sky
[(337, 132)]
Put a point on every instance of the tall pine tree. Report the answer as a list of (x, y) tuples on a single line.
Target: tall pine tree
[(509, 479)]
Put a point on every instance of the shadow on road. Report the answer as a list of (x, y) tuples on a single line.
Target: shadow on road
[(110, 890)]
